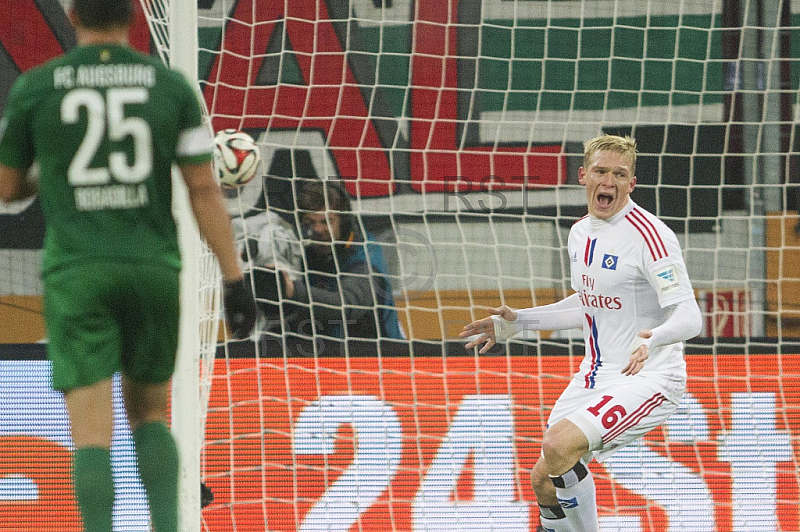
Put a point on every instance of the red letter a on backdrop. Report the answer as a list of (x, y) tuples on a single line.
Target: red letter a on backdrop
[(328, 100)]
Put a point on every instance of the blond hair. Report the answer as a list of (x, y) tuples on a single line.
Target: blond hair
[(614, 143)]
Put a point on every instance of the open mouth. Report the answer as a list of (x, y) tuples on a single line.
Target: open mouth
[(605, 200)]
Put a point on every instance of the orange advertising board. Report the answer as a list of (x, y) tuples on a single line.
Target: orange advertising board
[(442, 443), (421, 444)]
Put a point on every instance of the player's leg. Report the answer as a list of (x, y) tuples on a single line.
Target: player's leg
[(563, 484), (150, 337), (83, 347), (607, 421), (91, 418), (551, 515), (156, 452)]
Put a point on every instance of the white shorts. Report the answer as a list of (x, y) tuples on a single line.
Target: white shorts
[(613, 417)]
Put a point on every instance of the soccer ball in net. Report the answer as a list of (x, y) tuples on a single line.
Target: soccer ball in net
[(236, 157)]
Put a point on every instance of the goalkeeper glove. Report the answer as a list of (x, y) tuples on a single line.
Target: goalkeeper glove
[(240, 308)]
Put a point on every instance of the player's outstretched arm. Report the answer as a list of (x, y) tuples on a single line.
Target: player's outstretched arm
[(212, 217), (504, 323), (214, 224), (483, 331)]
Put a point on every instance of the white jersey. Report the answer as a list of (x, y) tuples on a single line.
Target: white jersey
[(627, 271)]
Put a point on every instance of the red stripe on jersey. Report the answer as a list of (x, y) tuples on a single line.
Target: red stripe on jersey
[(644, 235), (652, 245), (633, 419), (659, 243), (587, 250), (595, 350), (586, 378), (649, 232)]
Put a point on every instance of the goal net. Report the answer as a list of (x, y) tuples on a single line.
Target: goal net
[(456, 127)]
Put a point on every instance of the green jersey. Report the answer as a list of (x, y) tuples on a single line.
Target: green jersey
[(104, 123)]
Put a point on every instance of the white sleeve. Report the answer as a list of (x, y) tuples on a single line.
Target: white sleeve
[(564, 314), (668, 275), (685, 322)]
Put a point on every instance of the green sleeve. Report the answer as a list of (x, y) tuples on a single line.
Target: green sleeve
[(16, 140), (194, 144)]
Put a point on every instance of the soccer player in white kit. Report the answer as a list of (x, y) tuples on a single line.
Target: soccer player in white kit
[(635, 303)]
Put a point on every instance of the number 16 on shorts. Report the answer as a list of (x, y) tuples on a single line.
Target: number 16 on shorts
[(614, 417)]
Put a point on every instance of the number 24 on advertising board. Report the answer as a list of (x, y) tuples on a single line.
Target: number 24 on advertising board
[(483, 428)]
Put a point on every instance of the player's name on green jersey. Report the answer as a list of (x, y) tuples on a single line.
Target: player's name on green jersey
[(98, 76), (95, 198)]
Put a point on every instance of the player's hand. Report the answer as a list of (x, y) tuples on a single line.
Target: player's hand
[(240, 308), (482, 331), (641, 351)]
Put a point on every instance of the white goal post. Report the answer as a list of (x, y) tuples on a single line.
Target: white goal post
[(173, 28), (187, 425)]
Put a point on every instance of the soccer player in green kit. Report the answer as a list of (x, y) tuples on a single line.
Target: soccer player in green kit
[(105, 123)]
